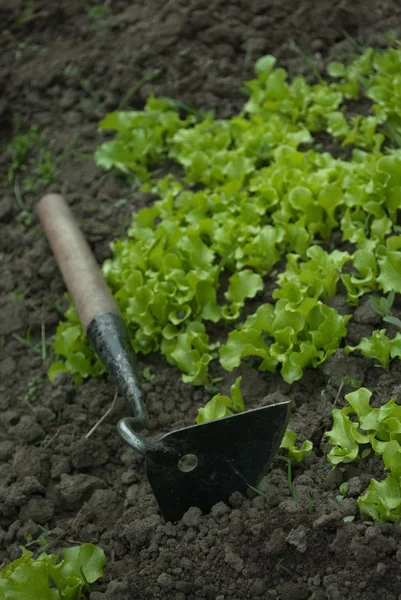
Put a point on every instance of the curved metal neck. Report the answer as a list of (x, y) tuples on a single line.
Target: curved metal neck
[(109, 337)]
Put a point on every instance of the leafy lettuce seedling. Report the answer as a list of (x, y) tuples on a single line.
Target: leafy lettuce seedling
[(48, 578), (377, 429), (293, 452), (222, 406), (378, 346)]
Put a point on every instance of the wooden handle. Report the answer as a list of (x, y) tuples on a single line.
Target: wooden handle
[(75, 260)]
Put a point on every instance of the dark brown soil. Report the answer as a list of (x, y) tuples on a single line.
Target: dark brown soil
[(63, 65)]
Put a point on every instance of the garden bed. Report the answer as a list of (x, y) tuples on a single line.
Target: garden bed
[(63, 67)]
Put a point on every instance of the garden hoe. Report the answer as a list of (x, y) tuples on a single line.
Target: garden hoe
[(198, 465)]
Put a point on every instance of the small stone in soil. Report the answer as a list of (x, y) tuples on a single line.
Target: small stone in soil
[(37, 509), (193, 517), (59, 464), (258, 587), (234, 561), (140, 532), (297, 538), (6, 450), (165, 581), (277, 543), (219, 509), (74, 488)]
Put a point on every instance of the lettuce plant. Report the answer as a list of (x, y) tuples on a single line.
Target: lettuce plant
[(222, 406), (48, 578), (294, 453), (299, 331), (379, 346), (377, 429)]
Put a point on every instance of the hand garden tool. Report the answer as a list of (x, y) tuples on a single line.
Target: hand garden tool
[(198, 465)]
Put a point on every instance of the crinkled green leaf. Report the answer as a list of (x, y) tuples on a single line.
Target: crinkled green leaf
[(265, 64), (378, 346), (30, 581), (359, 401), (345, 439), (222, 406), (294, 453), (389, 262), (43, 578), (244, 284), (55, 369), (239, 345), (219, 406), (236, 396), (81, 565), (382, 500)]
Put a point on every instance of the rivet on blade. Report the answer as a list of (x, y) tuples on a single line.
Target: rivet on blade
[(188, 463)]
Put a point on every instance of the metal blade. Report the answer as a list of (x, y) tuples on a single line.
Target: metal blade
[(204, 464)]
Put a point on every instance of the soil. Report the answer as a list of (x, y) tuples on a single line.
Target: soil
[(63, 65)]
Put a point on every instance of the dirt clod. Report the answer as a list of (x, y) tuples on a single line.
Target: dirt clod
[(73, 489), (298, 538), (193, 517)]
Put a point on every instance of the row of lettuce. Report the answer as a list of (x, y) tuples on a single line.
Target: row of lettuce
[(255, 189), (257, 200)]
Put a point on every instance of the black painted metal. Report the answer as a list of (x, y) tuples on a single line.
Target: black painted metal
[(109, 337), (231, 453)]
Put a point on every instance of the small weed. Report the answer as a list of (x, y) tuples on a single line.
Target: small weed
[(248, 59), (354, 383), (39, 347), (148, 375), (26, 47), (357, 43), (99, 13), (383, 307), (29, 396), (137, 86), (92, 94), (17, 295), (280, 567), (41, 540), (391, 37), (26, 13), (255, 489), (261, 488), (26, 218), (122, 202), (30, 165), (349, 519), (211, 387), (27, 341), (72, 70), (290, 484), (308, 60), (344, 487), (19, 148)]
